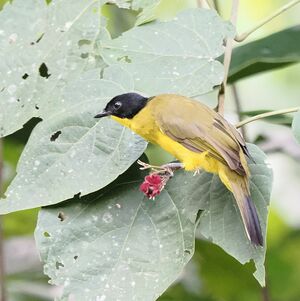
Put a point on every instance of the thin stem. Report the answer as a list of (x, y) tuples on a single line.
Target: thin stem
[(216, 5), (238, 106), (245, 35), (203, 4), (268, 114), (265, 294), (2, 273), (2, 285), (227, 59)]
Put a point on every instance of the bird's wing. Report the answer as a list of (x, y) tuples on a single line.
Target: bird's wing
[(199, 128)]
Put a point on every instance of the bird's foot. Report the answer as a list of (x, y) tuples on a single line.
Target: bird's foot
[(197, 172), (145, 166), (168, 168)]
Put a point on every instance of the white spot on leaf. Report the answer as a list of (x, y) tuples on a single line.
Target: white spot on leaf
[(107, 217)]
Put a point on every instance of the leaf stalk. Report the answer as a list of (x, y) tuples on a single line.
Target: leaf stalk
[(245, 35), (268, 114), (227, 59), (203, 4)]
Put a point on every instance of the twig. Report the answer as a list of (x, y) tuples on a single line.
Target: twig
[(243, 36), (216, 6), (268, 114), (227, 59), (2, 273), (203, 4), (265, 293), (238, 106)]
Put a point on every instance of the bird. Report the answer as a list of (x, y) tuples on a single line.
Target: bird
[(197, 136)]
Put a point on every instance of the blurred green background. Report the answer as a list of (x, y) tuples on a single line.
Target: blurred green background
[(212, 275)]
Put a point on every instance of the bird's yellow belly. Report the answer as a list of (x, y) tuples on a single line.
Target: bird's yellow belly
[(190, 159), (143, 126)]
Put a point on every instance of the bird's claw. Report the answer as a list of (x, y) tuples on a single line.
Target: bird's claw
[(143, 165), (167, 169), (197, 172)]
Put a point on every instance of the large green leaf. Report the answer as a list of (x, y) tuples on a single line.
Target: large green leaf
[(43, 48), (46, 48), (118, 245), (115, 244), (68, 152), (274, 51), (72, 152), (219, 221), (172, 57), (296, 126)]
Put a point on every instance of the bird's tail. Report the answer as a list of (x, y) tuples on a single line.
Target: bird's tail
[(240, 189)]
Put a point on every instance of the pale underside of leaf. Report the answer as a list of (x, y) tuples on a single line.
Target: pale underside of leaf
[(130, 248), (42, 52), (218, 221), (68, 152), (126, 248), (73, 152), (172, 57), (58, 39)]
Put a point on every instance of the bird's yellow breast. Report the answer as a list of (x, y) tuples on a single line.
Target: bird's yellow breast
[(144, 125)]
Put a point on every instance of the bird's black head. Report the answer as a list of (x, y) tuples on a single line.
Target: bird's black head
[(124, 106)]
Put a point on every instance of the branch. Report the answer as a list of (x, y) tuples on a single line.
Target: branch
[(265, 290), (268, 114), (243, 36), (227, 59), (216, 6), (203, 4)]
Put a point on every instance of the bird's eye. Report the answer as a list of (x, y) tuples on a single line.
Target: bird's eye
[(117, 105)]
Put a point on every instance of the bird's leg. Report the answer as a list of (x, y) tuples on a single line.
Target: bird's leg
[(168, 168), (197, 172), (145, 166), (172, 166)]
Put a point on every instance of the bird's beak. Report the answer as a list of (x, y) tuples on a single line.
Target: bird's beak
[(102, 114)]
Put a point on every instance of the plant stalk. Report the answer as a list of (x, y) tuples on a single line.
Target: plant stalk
[(203, 4), (238, 106), (216, 5), (245, 35), (265, 294), (227, 59), (268, 114)]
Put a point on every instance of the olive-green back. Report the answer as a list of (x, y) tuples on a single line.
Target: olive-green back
[(199, 128)]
